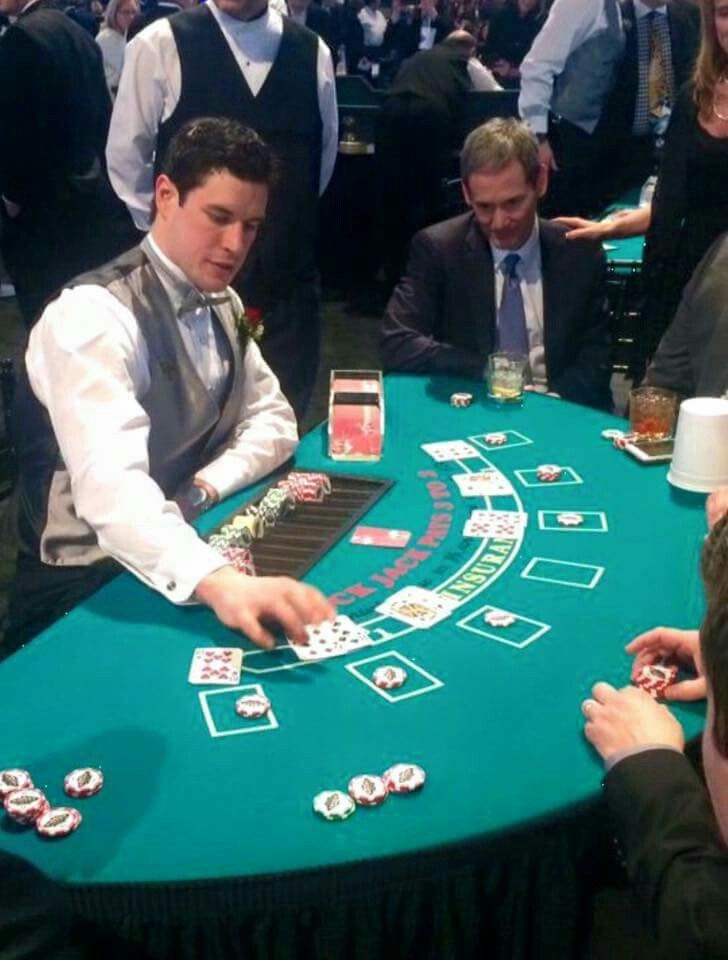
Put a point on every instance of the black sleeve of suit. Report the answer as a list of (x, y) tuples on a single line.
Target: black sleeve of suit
[(674, 855), (412, 319), (586, 379), (21, 156)]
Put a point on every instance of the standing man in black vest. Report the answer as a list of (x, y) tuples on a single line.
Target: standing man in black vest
[(146, 400), (241, 59), (59, 214)]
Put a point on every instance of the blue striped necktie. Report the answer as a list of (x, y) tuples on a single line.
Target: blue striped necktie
[(512, 330)]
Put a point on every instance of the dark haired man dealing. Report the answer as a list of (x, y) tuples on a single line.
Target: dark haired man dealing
[(142, 398)]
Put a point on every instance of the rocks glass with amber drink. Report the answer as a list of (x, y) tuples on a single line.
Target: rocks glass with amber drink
[(652, 413), (506, 374)]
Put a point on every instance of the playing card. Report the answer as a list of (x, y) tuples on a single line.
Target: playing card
[(332, 638), (417, 607), (450, 450), (380, 537), (499, 524), (216, 665), (485, 483)]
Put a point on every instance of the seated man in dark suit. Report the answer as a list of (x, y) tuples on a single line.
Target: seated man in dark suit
[(692, 357), (499, 278)]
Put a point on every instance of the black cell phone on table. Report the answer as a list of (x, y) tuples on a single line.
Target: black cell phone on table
[(651, 451)]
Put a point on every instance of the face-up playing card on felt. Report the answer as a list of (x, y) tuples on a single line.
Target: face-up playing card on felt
[(216, 665), (417, 607), (450, 450), (380, 537), (485, 483), (332, 638), (500, 524)]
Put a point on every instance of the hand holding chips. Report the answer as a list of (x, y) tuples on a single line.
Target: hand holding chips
[(618, 720), (669, 645)]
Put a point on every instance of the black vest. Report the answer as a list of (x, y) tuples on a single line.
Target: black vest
[(286, 114), (187, 426)]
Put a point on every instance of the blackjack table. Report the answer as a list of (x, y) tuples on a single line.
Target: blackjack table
[(203, 841)]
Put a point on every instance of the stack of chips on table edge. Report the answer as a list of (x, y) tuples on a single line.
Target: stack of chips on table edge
[(28, 806)]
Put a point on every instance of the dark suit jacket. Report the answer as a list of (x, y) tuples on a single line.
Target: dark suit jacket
[(684, 20), (667, 834), (441, 318), (692, 357), (54, 104), (404, 36), (323, 24)]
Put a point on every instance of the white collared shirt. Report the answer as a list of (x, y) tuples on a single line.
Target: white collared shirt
[(88, 364), (150, 89), (374, 25), (642, 10), (570, 23), (530, 277)]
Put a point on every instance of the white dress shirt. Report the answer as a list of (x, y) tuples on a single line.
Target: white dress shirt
[(528, 270), (150, 89), (427, 34), (88, 365), (374, 25), (481, 77), (570, 23)]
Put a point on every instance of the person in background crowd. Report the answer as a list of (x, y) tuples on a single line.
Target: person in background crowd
[(689, 209), (112, 39), (609, 75), (154, 10), (60, 216), (499, 278), (276, 77), (86, 14), (510, 36), (374, 26), (671, 828), (417, 27), (420, 128), (316, 18)]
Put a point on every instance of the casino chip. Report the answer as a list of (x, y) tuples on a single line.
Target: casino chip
[(404, 778), (333, 805), (368, 790), (548, 472), (252, 706), (569, 519), (499, 618), (13, 780), (461, 399), (612, 434), (655, 678), (389, 677), (496, 439), (25, 806), (58, 822), (84, 782)]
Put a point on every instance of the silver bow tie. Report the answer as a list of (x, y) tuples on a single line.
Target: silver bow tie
[(194, 300)]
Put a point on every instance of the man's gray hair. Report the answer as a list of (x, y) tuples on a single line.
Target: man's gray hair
[(495, 144)]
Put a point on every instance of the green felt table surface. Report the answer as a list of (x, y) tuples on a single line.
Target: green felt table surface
[(499, 730), (624, 255)]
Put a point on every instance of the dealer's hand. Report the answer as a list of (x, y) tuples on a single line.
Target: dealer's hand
[(252, 604), (681, 646), (618, 720), (716, 505)]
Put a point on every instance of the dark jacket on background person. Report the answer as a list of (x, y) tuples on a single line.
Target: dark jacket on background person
[(441, 318), (55, 111)]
